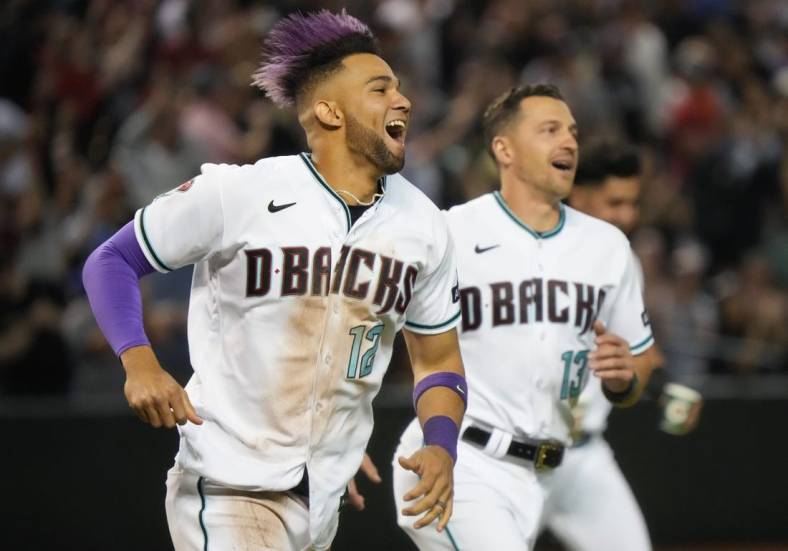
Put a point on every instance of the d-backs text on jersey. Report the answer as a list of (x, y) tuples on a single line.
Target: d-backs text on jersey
[(532, 301), (305, 272)]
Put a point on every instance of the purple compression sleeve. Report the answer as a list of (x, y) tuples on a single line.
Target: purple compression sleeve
[(442, 431), (449, 379), (111, 280)]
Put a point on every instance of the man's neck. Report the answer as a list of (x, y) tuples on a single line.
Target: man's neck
[(537, 210), (347, 172)]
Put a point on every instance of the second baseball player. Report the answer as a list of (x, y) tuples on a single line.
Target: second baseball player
[(550, 297)]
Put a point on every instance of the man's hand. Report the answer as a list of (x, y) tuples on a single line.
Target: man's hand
[(152, 393), (611, 361), (353, 495), (436, 487)]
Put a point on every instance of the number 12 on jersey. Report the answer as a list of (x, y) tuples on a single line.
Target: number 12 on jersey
[(572, 386), (364, 366)]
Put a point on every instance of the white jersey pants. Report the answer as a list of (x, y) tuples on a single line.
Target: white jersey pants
[(590, 506), (497, 502), (205, 517)]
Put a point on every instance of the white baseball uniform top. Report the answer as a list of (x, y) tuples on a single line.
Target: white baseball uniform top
[(529, 300), (292, 317), (593, 407)]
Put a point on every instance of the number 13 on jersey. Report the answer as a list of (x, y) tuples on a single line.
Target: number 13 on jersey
[(573, 385)]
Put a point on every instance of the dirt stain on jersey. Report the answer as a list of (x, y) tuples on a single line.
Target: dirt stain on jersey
[(299, 361), (333, 387)]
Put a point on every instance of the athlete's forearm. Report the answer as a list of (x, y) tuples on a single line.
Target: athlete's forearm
[(111, 280), (440, 392), (440, 400), (437, 356)]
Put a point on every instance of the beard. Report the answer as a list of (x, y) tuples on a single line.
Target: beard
[(365, 141)]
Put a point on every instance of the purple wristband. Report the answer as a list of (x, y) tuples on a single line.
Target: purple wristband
[(449, 379), (442, 431), (111, 280)]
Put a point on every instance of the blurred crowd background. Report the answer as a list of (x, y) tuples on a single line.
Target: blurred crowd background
[(105, 104)]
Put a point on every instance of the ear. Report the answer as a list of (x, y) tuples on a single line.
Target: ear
[(501, 149), (328, 113)]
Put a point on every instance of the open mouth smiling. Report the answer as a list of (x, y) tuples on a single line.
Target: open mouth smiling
[(396, 130)]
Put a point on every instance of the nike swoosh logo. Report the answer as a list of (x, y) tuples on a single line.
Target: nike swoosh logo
[(480, 250), (277, 208), (460, 390)]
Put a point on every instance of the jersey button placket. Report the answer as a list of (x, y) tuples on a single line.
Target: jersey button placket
[(540, 268)]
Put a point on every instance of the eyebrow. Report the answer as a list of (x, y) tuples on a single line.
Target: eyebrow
[(385, 78), (572, 127)]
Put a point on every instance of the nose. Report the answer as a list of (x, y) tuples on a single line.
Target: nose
[(570, 142), (401, 103)]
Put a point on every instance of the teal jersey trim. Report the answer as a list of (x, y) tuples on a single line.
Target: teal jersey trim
[(201, 491), (436, 326), (538, 235), (322, 182), (642, 344), (147, 242), (451, 539)]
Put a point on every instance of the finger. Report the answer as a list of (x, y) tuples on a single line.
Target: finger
[(623, 375), (434, 511), (140, 413), (607, 350), (599, 328), (427, 519), (420, 489), (409, 463), (153, 416), (436, 489), (448, 499), (178, 409), (610, 363), (369, 469), (354, 497), (609, 338), (191, 413), (165, 415)]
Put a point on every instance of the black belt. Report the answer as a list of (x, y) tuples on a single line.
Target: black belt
[(543, 453)]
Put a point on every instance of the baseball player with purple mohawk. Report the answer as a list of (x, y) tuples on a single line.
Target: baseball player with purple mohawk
[(305, 267)]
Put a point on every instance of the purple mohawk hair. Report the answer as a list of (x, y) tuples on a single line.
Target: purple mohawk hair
[(300, 47)]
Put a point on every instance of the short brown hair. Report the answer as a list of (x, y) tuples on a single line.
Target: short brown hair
[(506, 107)]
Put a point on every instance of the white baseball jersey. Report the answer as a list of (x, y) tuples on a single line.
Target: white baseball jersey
[(593, 408), (529, 300), (590, 506), (292, 317)]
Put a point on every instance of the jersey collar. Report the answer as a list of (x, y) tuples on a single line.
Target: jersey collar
[(307, 158), (538, 235)]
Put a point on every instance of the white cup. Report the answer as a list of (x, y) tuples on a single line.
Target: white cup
[(680, 408)]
